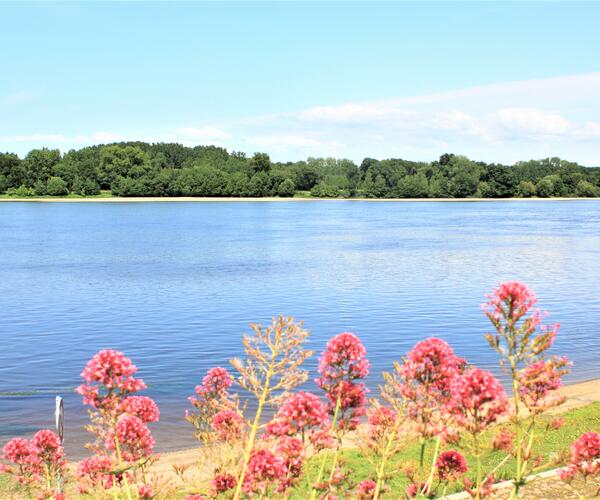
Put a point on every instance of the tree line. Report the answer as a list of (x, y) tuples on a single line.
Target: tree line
[(142, 169)]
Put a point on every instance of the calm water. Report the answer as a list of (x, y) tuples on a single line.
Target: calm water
[(174, 285)]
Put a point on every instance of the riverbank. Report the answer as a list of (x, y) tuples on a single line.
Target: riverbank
[(578, 395), (187, 199)]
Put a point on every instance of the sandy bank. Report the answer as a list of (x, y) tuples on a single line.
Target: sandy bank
[(579, 394), (181, 199)]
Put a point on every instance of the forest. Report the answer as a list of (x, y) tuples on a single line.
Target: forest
[(161, 169)]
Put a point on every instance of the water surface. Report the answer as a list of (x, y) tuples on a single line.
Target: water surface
[(174, 285)]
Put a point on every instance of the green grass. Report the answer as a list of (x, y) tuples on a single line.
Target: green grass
[(577, 422), (103, 194)]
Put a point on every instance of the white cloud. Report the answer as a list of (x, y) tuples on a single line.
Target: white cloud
[(499, 122), (532, 121), (295, 141)]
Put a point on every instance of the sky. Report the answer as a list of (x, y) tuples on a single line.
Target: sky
[(498, 82)]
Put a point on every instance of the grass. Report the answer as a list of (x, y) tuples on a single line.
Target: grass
[(577, 422), (103, 194)]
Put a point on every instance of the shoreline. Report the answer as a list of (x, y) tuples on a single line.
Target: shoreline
[(578, 394), (214, 199)]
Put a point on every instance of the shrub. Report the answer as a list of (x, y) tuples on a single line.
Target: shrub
[(56, 187)]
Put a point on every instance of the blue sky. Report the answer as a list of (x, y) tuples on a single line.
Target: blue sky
[(494, 81)]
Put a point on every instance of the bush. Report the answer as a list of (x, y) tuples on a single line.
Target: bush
[(286, 188), (587, 189), (56, 187), (526, 189), (21, 192)]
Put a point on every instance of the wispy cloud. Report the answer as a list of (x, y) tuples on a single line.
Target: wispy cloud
[(499, 122)]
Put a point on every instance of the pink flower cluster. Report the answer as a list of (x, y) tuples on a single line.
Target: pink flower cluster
[(222, 482), (141, 407), (41, 455), (365, 490), (450, 465), (515, 296), (298, 413), (292, 451), (344, 361), (477, 400), (426, 375), (229, 425), (539, 381), (95, 471), (134, 438), (109, 377), (264, 469), (215, 386), (432, 362), (381, 418), (585, 457)]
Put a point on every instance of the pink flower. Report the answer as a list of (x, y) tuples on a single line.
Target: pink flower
[(298, 413), (108, 368), (477, 400), (433, 362), (114, 372), (264, 469), (216, 382), (424, 382), (145, 492), (365, 490), (343, 361), (321, 439), (141, 407), (194, 497), (96, 471), (416, 489), (557, 423), (450, 465), (292, 451), (228, 424), (514, 294), (539, 380), (586, 448), (503, 440), (380, 420), (21, 452), (222, 482), (134, 437), (567, 473), (49, 447)]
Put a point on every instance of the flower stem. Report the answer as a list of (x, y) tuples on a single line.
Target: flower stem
[(432, 472), (254, 429), (338, 403)]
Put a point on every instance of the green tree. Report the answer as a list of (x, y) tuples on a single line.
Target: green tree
[(40, 188), (239, 184), (261, 162), (286, 188), (545, 187), (587, 189), (526, 189), (56, 187), (118, 161), (39, 164), (260, 185), (12, 170), (413, 186)]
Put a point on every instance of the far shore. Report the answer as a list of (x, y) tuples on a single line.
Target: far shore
[(204, 199)]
